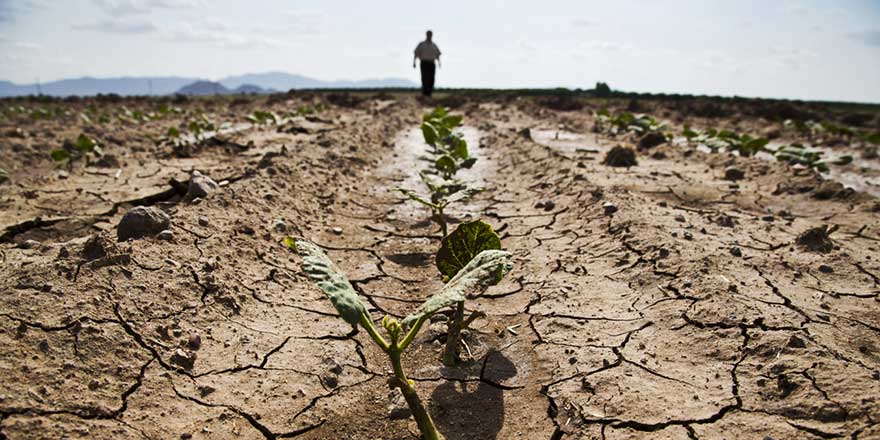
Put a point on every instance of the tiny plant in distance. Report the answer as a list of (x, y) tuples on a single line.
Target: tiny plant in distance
[(82, 149), (484, 270), (450, 148), (442, 195)]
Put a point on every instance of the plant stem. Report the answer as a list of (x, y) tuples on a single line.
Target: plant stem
[(367, 323), (423, 419), (450, 355), (442, 220)]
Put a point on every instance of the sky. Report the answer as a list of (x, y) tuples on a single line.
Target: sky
[(798, 49)]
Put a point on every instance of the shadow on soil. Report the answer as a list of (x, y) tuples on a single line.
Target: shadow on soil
[(473, 410)]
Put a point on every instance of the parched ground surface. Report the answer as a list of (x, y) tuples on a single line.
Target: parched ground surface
[(688, 313)]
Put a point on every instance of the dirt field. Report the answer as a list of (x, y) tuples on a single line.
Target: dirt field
[(688, 313)]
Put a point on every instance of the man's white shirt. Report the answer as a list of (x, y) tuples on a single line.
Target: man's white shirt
[(427, 51)]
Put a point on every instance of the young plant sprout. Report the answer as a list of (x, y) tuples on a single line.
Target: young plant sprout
[(626, 122), (486, 269), (261, 118), (726, 140), (442, 195), (800, 155), (456, 251), (451, 155), (450, 148), (4, 176), (73, 151)]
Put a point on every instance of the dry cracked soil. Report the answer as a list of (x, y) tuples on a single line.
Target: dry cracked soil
[(690, 312)]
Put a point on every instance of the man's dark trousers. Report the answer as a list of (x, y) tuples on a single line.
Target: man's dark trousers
[(428, 69)]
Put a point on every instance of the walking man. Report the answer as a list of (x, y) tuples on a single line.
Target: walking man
[(427, 52)]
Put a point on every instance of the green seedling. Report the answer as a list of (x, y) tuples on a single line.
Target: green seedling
[(165, 110), (438, 124), (83, 148), (484, 270), (4, 176), (627, 122), (137, 116), (798, 154), (438, 200), (264, 118), (812, 129), (726, 140), (450, 148), (456, 251), (198, 131)]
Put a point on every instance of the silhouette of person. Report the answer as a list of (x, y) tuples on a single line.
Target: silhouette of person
[(427, 52)]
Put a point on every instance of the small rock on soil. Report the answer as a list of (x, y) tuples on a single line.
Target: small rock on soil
[(620, 156), (142, 221)]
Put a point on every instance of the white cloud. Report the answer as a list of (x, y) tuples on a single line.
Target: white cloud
[(26, 45), (871, 37), (217, 34), (794, 58), (129, 7), (118, 26), (9, 11), (584, 22), (605, 46), (306, 21)]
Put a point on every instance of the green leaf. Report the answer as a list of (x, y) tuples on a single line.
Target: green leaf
[(452, 121), (843, 160), (330, 279), (437, 113), (484, 270), (458, 147), (462, 194), (173, 132), (462, 245), (753, 146), (446, 164), (429, 133), (416, 197), (4, 176), (59, 155), (84, 144), (468, 163)]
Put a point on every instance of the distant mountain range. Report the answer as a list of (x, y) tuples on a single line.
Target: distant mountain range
[(249, 83)]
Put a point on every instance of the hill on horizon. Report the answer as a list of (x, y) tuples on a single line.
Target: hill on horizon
[(167, 85)]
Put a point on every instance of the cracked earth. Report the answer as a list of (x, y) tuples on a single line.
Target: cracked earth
[(639, 324)]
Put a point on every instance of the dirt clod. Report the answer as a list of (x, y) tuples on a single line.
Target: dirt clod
[(817, 239), (734, 174), (609, 208), (651, 140), (142, 221), (620, 156), (183, 358), (200, 186)]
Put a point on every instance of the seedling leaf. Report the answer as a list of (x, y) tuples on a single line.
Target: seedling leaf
[(59, 155), (330, 279), (484, 270), (84, 144), (414, 196), (462, 245), (446, 164), (429, 133)]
